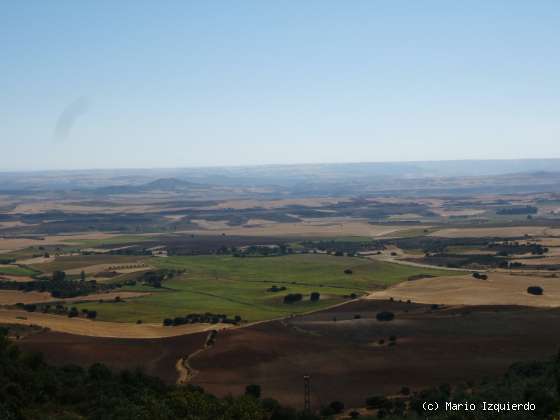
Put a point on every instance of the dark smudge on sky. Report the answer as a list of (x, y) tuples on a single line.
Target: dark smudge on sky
[(68, 118)]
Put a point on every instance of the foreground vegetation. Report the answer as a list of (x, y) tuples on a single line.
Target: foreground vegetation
[(31, 389)]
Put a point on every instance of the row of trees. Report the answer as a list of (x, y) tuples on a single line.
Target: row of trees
[(297, 297), (207, 318)]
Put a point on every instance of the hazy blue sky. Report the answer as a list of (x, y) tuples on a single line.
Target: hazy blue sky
[(183, 83)]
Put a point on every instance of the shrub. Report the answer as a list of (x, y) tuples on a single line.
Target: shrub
[(292, 298), (385, 316), (378, 402), (535, 290), (336, 406), (348, 271), (253, 390), (315, 296)]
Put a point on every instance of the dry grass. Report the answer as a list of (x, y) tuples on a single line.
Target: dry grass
[(501, 288), (502, 232), (82, 326), (274, 204), (11, 297), (310, 227)]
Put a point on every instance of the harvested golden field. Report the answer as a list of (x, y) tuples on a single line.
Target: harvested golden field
[(11, 297), (20, 243), (82, 326), (274, 204), (502, 232), (131, 267), (18, 279), (501, 288), (310, 227)]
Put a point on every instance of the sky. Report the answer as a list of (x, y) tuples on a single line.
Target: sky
[(148, 84)]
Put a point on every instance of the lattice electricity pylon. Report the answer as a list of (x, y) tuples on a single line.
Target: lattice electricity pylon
[(307, 393)]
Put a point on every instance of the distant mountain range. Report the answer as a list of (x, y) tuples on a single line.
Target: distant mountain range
[(330, 179)]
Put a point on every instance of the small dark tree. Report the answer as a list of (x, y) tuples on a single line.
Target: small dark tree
[(385, 316), (315, 296), (83, 275), (58, 275), (348, 271), (535, 290), (253, 390), (92, 314), (167, 322), (73, 312)]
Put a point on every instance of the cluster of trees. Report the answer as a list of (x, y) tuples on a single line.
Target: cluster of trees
[(57, 309), (517, 210), (207, 318), (31, 389), (385, 316), (263, 251), (514, 247), (157, 277), (340, 247), (297, 297), (293, 297), (59, 286)]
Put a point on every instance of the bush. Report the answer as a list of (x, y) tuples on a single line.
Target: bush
[(385, 316), (535, 290), (480, 276), (336, 406), (315, 296), (253, 390), (293, 297), (378, 402), (348, 271)]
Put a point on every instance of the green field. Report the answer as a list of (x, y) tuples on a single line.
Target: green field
[(237, 286), (16, 270)]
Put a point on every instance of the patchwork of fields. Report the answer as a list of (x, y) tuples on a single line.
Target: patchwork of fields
[(238, 286)]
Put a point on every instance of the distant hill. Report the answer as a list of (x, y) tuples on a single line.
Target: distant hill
[(167, 184), (161, 184)]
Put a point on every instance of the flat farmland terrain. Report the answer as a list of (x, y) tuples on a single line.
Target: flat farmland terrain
[(69, 263), (344, 357), (501, 288), (82, 326), (502, 232), (238, 286)]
